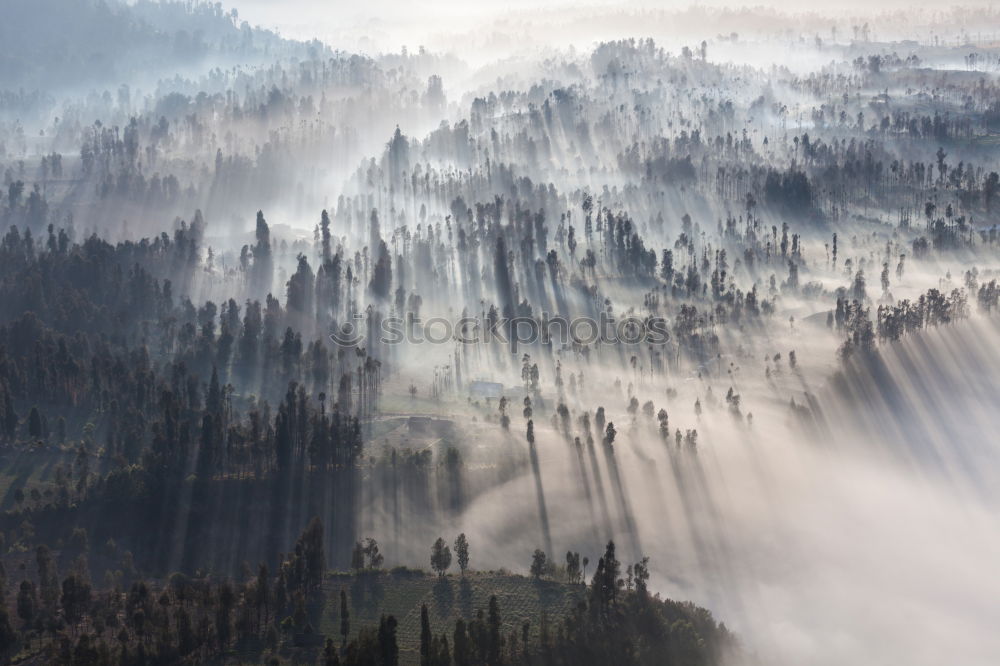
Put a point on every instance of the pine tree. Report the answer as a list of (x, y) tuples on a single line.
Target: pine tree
[(462, 552)]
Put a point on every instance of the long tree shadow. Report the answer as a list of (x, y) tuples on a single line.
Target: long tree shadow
[(703, 553), (444, 596), (543, 512), (582, 468), (465, 597), (599, 484), (626, 508), (367, 592), (726, 559)]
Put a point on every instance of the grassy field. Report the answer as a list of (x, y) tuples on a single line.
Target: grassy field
[(401, 594), (29, 469)]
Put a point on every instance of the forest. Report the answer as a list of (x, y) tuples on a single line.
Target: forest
[(514, 334)]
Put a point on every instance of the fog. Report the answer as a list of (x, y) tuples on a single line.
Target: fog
[(282, 260), (820, 538), (482, 32)]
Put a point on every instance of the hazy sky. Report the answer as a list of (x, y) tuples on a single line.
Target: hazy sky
[(463, 26)]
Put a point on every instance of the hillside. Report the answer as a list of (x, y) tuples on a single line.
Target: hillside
[(448, 599), (50, 45)]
